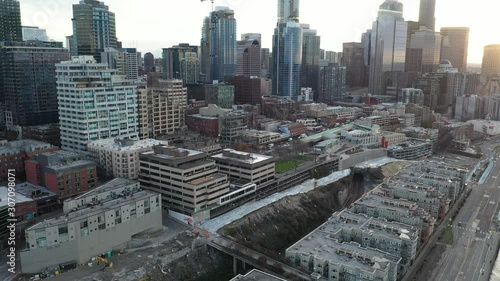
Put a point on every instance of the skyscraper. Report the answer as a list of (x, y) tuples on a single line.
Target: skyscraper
[(182, 62), (27, 81), (353, 60), (455, 46), (287, 60), (388, 45), (94, 28), (125, 60), (94, 103), (332, 83), (427, 14), (252, 36), (248, 58), (491, 61), (10, 21), (218, 45), (430, 43), (310, 58), (34, 33), (288, 10), (149, 62)]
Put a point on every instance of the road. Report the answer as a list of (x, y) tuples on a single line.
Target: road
[(473, 252)]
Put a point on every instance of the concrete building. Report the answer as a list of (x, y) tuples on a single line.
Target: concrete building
[(469, 107), (427, 14), (62, 172), (125, 60), (27, 81), (31, 200), (331, 260), (293, 129), (412, 149), (247, 90), (248, 58), (245, 167), (491, 61), (187, 180), (232, 123), (14, 153), (182, 62), (99, 221), (367, 139), (34, 33), (49, 133), (260, 137), (391, 138), (162, 108), (488, 127), (332, 83), (455, 46), (94, 103), (411, 95), (120, 158), (318, 110)]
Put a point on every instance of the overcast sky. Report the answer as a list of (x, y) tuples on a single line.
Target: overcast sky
[(151, 25)]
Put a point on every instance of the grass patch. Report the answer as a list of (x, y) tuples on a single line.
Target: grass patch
[(287, 165), (306, 157), (447, 236)]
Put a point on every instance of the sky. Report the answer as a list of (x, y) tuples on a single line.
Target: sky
[(150, 25)]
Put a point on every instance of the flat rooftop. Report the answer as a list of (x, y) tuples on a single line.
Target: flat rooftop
[(18, 197), (73, 165), (32, 191), (170, 152), (239, 156), (126, 145), (108, 186), (80, 214)]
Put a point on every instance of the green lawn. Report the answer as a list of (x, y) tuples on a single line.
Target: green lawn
[(306, 157), (287, 165), (447, 236)]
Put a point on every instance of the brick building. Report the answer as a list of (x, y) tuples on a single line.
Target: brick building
[(205, 125)]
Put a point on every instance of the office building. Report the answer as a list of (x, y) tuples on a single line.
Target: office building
[(14, 153), (10, 21), (310, 59), (27, 81), (430, 43), (252, 36), (248, 58), (149, 63), (187, 181), (388, 46), (31, 33), (245, 167), (232, 123), (94, 28), (491, 61), (332, 83), (427, 14), (266, 62), (411, 95), (455, 46), (247, 90), (125, 60), (94, 103), (182, 62), (353, 59), (287, 59), (99, 221), (469, 107), (62, 172), (221, 95), (120, 158), (218, 45), (162, 108)]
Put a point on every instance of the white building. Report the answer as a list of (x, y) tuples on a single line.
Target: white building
[(126, 61), (120, 158), (486, 126), (34, 33), (94, 103), (362, 137)]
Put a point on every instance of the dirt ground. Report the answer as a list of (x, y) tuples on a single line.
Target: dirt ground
[(425, 271)]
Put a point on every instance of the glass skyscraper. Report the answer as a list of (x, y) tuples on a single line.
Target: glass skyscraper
[(310, 58), (182, 62), (27, 81), (10, 21), (287, 59), (94, 28), (388, 45), (427, 13), (218, 45), (288, 10), (455, 46)]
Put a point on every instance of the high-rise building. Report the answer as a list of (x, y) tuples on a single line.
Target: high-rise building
[(455, 46), (125, 60), (248, 58), (265, 60), (310, 58), (182, 62), (332, 83), (247, 90), (221, 95), (27, 81), (71, 45), (353, 60), (34, 33), (430, 43), (427, 14), (10, 21), (94, 103), (218, 45), (288, 10), (388, 45), (287, 60), (252, 36), (491, 61), (149, 62), (94, 28)]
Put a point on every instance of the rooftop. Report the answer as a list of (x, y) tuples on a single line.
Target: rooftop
[(110, 185), (244, 157), (256, 275), (18, 197), (171, 152), (126, 145), (33, 191)]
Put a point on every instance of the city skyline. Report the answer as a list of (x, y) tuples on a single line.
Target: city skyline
[(55, 16)]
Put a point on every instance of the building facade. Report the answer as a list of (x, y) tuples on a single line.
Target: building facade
[(455, 46), (221, 95), (491, 61), (182, 62), (31, 33), (354, 61), (248, 58), (310, 59), (94, 103), (125, 60), (427, 14), (332, 83), (10, 21)]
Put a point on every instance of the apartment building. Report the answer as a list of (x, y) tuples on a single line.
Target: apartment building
[(246, 167), (120, 158), (62, 172), (99, 221), (450, 186), (187, 179)]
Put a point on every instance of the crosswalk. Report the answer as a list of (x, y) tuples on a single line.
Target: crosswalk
[(470, 229)]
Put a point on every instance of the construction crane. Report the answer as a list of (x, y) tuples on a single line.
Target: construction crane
[(213, 9)]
